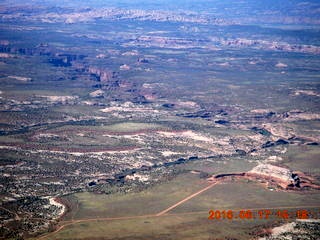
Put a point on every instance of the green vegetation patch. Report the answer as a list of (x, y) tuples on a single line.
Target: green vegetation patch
[(165, 227), (149, 201), (247, 195)]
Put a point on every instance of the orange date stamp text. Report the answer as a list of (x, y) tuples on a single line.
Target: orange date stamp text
[(263, 214)]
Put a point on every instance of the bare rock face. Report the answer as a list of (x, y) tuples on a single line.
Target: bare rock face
[(97, 94), (281, 65), (282, 176), (102, 74), (124, 67), (272, 171)]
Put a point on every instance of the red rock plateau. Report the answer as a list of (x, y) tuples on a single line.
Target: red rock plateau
[(272, 176)]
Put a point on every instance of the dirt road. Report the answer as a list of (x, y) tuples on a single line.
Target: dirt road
[(67, 223), (162, 213), (186, 199)]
